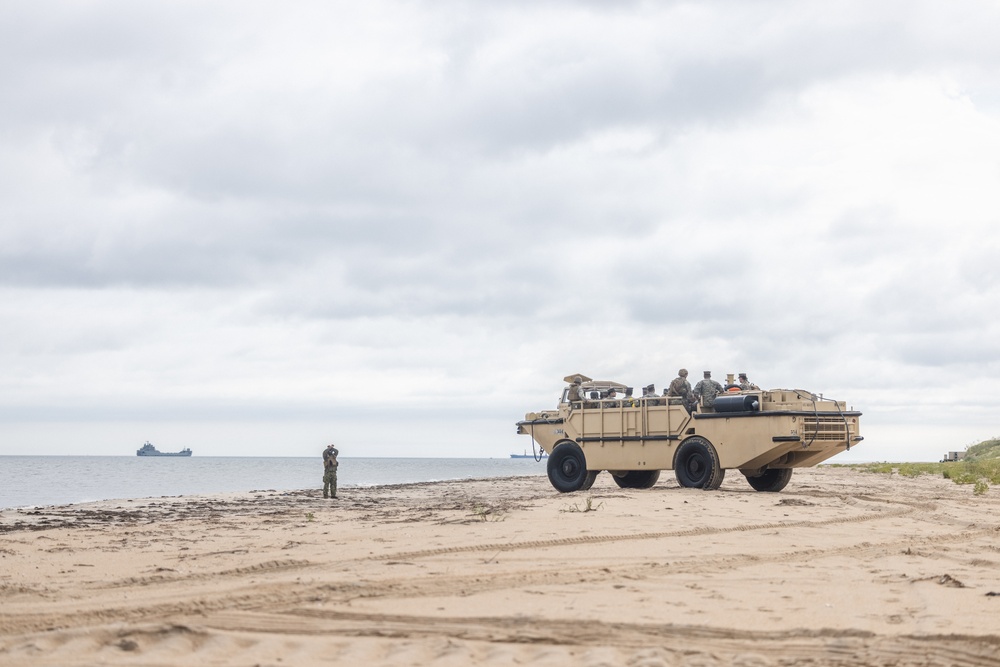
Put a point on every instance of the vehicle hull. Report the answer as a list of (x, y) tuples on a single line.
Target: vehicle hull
[(787, 429)]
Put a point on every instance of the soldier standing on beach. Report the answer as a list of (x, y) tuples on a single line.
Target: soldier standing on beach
[(330, 471), (708, 389)]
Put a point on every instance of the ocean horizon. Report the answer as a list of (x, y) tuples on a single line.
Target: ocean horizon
[(40, 480)]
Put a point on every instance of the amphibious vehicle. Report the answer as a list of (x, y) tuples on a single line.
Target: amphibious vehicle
[(762, 433)]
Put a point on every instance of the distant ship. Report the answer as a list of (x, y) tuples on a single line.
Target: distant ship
[(148, 450), (526, 455)]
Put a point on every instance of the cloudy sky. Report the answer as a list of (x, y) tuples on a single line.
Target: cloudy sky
[(253, 227)]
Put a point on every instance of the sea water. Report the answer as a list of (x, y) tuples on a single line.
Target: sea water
[(27, 481)]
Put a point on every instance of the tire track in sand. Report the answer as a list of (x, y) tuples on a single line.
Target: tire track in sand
[(681, 644), (259, 595), (597, 539), (257, 568)]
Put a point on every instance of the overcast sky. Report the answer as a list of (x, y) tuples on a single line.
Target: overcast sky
[(252, 228)]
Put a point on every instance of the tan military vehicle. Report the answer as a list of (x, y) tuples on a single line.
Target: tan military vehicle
[(762, 433)]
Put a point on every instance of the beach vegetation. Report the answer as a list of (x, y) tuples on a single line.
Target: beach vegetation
[(980, 467), (903, 469), (987, 449), (490, 512), (588, 506)]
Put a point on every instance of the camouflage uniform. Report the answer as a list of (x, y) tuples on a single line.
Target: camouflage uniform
[(330, 471), (575, 391), (629, 401), (708, 389), (649, 394), (612, 400), (680, 386), (746, 384)]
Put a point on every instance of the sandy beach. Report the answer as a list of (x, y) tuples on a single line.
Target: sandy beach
[(841, 568)]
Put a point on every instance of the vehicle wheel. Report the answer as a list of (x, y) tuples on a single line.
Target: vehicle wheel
[(589, 481), (567, 468), (772, 480), (637, 479), (696, 465), (716, 481)]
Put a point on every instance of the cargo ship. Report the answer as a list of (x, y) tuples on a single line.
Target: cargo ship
[(148, 450), (526, 455)]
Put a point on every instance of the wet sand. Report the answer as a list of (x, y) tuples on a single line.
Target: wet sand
[(841, 568)]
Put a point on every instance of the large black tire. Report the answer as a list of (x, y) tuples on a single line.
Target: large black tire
[(771, 480), (717, 480), (696, 465), (637, 479), (567, 468)]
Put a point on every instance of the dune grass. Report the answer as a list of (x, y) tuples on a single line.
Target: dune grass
[(980, 467)]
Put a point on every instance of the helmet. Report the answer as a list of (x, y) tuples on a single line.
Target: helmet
[(743, 375), (577, 380), (683, 372)]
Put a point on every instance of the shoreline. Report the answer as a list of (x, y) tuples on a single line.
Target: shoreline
[(843, 567), (8, 516), (35, 482)]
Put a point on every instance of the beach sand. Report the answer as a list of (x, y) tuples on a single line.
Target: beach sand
[(841, 568)]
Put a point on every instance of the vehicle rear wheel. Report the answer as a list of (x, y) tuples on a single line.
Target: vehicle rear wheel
[(637, 479), (771, 480), (567, 468), (696, 465)]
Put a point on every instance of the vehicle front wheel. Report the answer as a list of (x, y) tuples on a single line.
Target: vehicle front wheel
[(637, 479), (567, 468), (696, 465), (771, 480)]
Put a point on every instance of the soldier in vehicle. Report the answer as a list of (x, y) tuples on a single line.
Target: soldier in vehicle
[(707, 389), (575, 390), (612, 399), (745, 383), (330, 471), (628, 401), (649, 393), (680, 386)]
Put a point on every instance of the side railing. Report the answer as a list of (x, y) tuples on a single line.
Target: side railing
[(636, 420)]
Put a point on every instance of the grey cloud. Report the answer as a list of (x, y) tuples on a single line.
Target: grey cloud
[(497, 191), (96, 61), (172, 263), (970, 350), (197, 139), (448, 280), (215, 245)]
